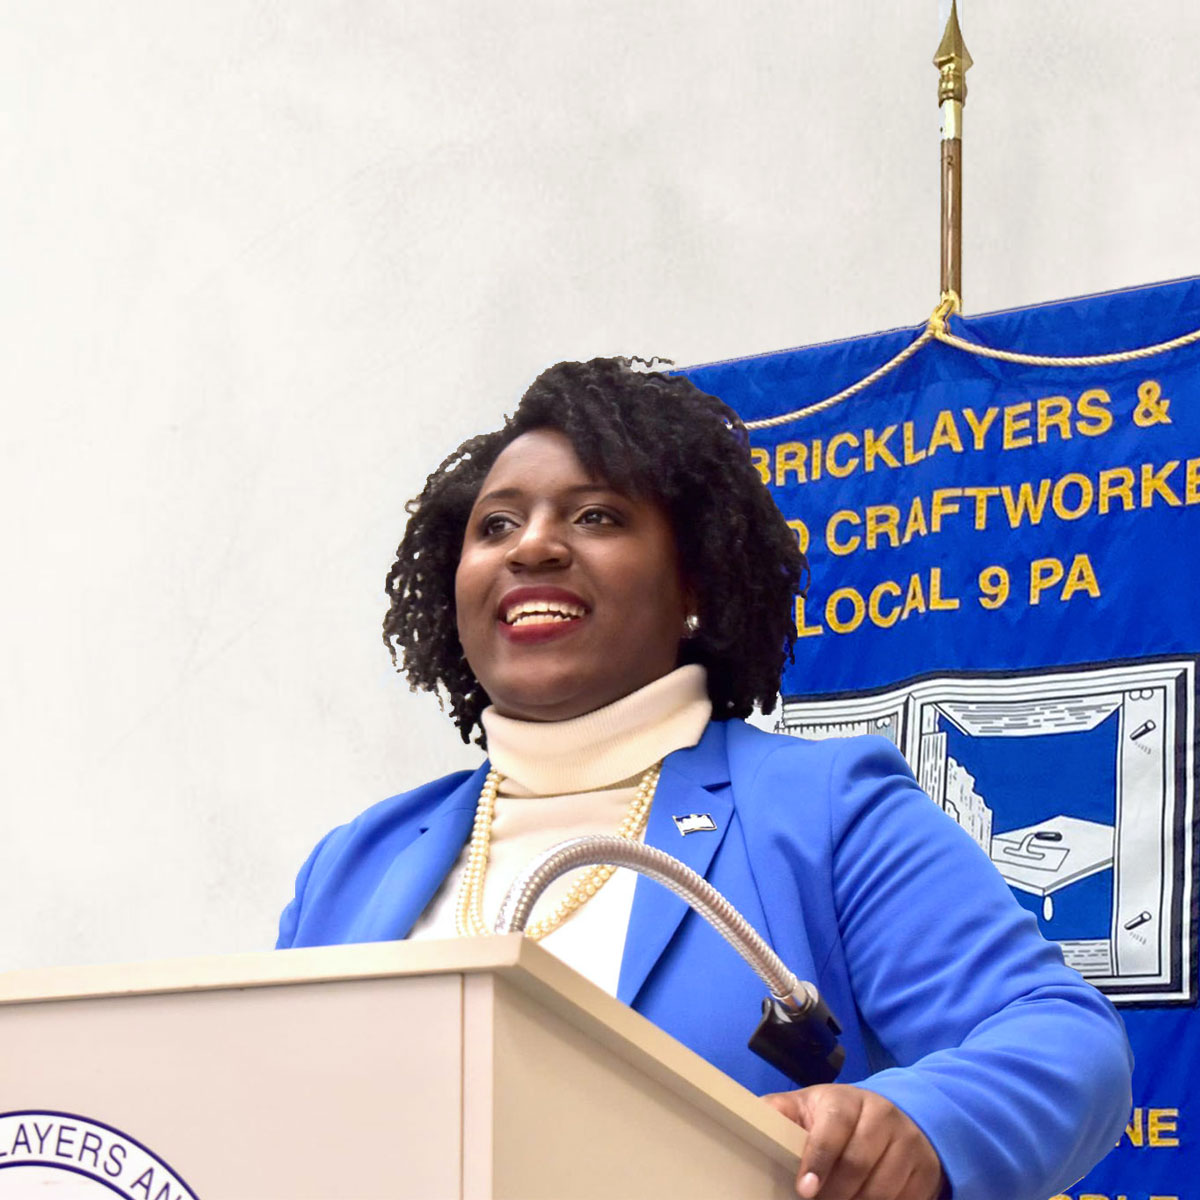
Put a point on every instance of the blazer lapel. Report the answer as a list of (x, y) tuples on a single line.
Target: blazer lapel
[(693, 781), (417, 872)]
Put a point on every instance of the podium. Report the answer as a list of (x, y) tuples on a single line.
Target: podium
[(475, 1069)]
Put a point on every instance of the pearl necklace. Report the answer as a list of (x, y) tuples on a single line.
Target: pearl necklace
[(468, 915)]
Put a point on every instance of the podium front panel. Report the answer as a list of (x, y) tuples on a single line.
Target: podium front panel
[(314, 1092)]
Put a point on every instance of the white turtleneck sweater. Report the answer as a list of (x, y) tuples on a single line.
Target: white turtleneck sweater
[(563, 779)]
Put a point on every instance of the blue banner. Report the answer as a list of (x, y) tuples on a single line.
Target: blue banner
[(1005, 582)]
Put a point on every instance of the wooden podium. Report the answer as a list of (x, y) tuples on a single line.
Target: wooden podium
[(472, 1068)]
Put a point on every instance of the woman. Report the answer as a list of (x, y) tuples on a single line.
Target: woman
[(601, 589)]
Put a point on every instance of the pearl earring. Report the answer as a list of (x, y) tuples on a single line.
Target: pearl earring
[(692, 624)]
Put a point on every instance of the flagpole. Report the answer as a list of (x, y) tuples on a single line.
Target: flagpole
[(952, 61)]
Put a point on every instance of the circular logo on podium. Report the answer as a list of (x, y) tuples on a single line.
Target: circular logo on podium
[(80, 1159)]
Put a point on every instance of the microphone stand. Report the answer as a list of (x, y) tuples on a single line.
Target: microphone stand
[(797, 1034)]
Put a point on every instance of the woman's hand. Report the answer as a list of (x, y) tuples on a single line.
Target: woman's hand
[(860, 1146)]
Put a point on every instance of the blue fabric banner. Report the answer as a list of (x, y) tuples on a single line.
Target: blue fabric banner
[(1005, 582)]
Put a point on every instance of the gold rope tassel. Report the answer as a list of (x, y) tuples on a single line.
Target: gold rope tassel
[(937, 327)]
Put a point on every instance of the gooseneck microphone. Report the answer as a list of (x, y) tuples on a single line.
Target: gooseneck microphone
[(797, 1034)]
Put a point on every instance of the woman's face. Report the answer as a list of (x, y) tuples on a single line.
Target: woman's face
[(568, 593)]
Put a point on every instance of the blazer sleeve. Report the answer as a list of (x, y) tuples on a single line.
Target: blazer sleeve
[(290, 918), (1017, 1070)]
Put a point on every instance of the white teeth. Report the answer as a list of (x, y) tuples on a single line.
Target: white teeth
[(543, 612)]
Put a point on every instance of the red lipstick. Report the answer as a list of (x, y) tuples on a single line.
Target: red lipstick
[(532, 614)]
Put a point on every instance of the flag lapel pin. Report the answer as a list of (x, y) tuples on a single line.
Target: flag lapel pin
[(695, 823)]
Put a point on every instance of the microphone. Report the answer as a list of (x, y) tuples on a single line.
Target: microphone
[(797, 1035)]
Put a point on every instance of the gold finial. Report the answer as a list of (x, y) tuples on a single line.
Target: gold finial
[(952, 60)]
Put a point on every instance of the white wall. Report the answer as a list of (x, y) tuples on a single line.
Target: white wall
[(265, 261)]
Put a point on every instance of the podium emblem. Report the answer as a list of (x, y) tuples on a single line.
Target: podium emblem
[(79, 1159)]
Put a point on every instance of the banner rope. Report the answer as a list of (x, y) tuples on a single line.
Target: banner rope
[(926, 336), (937, 329)]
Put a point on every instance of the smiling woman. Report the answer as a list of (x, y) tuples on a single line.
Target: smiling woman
[(599, 590), (644, 447)]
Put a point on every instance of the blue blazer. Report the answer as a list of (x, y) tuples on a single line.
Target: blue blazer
[(952, 1005)]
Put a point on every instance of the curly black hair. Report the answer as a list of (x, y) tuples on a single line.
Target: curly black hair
[(651, 435)]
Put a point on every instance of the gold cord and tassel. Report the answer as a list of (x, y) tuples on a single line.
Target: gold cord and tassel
[(937, 328)]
